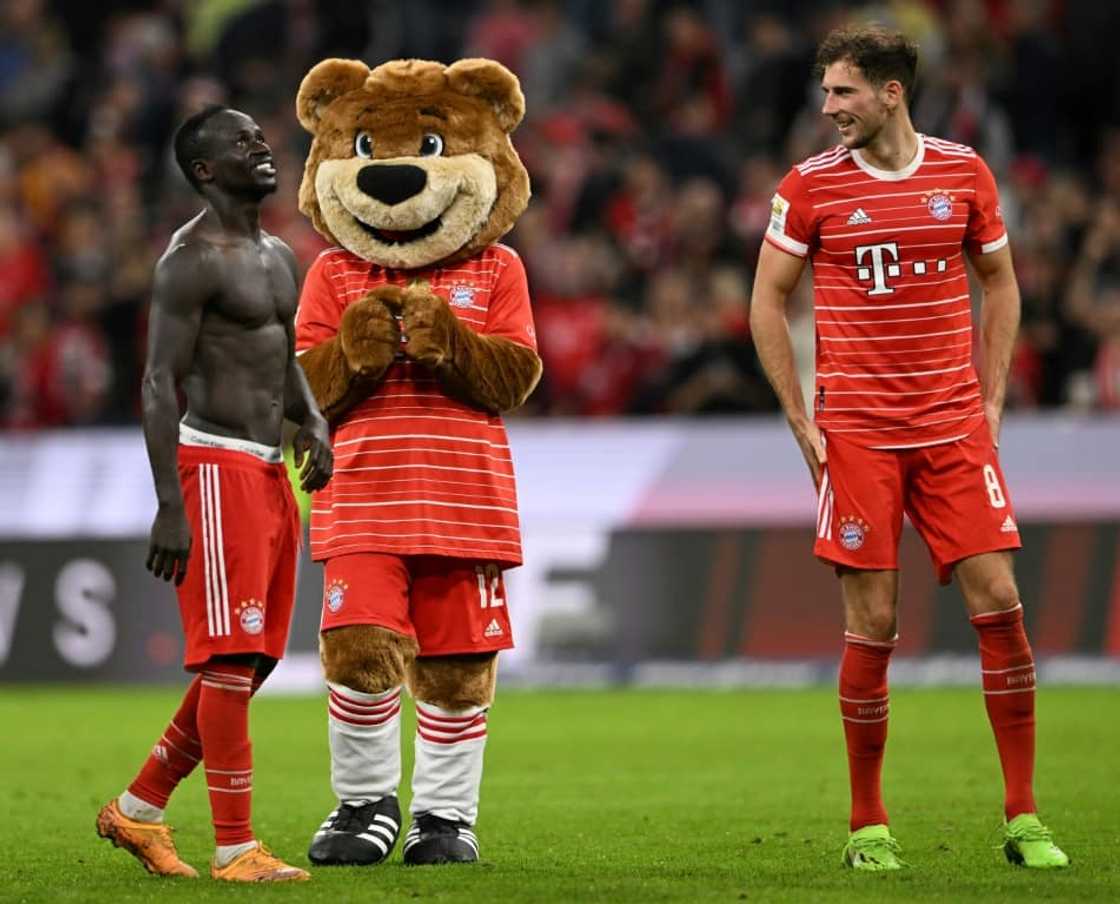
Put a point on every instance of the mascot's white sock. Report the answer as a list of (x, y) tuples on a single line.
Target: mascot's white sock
[(448, 773), (365, 734)]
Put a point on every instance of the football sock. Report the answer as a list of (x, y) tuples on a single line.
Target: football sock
[(448, 770), (865, 707), (172, 759), (1007, 667), (223, 727), (365, 738), (227, 852)]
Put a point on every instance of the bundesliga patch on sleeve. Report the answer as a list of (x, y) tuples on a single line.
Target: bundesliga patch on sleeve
[(779, 210)]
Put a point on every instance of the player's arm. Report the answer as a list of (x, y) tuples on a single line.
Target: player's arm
[(999, 324), (775, 278), (312, 442), (179, 295)]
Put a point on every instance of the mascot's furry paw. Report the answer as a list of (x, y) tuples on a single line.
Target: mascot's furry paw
[(429, 326), (370, 334)]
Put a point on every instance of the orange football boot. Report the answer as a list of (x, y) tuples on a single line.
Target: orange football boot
[(148, 842), (258, 864)]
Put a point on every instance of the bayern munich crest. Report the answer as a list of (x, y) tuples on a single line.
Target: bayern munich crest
[(853, 531), (251, 616), (939, 203), (461, 296), (335, 594)]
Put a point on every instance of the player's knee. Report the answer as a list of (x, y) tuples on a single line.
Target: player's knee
[(366, 658), (1000, 593), (879, 622), (454, 682)]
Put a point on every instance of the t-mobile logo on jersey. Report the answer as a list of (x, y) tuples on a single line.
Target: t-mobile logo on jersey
[(884, 263)]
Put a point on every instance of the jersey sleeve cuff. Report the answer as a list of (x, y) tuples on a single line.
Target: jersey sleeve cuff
[(995, 245), (792, 246)]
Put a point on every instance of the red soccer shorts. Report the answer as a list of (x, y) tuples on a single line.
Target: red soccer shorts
[(241, 577), (953, 493), (449, 605)]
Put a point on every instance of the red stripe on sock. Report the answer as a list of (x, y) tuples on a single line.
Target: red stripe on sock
[(455, 740), (343, 716)]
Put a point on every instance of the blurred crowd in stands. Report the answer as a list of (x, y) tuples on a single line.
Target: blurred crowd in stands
[(655, 135)]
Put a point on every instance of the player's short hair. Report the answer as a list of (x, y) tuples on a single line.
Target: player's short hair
[(880, 54), (189, 145)]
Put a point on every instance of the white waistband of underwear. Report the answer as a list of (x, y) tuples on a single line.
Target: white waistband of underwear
[(189, 436)]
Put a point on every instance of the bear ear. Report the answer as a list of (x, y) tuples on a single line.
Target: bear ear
[(325, 82), (493, 83)]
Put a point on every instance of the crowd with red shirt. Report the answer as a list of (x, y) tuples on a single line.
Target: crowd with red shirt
[(655, 135)]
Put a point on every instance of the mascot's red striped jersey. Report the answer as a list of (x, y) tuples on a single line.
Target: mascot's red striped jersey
[(890, 288), (415, 471)]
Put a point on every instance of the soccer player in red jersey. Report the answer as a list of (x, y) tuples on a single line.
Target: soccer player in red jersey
[(902, 421), (227, 530)]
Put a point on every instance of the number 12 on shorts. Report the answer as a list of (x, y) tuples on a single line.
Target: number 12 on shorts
[(489, 585), (995, 491)]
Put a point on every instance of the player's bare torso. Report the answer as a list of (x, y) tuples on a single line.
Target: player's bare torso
[(235, 383)]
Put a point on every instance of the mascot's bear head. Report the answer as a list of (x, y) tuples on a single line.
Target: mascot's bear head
[(411, 163)]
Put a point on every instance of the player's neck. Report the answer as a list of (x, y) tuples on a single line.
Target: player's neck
[(894, 147), (236, 217)]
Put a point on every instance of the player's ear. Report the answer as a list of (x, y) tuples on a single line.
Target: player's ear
[(892, 93), (201, 171)]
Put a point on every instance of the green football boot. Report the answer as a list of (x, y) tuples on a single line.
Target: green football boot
[(1028, 842), (872, 848)]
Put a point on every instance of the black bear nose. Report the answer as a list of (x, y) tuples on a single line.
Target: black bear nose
[(391, 183)]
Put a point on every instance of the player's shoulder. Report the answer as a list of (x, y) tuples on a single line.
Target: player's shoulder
[(836, 157), (944, 148), (188, 251)]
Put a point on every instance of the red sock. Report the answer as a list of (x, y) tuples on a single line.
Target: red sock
[(1008, 672), (174, 755), (864, 707), (223, 725)]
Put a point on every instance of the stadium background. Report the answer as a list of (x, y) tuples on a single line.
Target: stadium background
[(666, 511)]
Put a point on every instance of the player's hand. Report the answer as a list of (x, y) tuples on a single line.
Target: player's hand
[(427, 326), (994, 416), (809, 439), (314, 458), (170, 544)]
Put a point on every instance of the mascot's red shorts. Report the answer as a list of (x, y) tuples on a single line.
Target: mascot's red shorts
[(449, 605), (240, 586)]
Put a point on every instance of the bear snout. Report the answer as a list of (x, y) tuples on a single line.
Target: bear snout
[(391, 183)]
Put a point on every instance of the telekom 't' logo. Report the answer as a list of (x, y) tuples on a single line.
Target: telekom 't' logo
[(878, 270), (884, 264)]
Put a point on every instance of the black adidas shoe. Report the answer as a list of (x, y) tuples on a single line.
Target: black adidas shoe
[(432, 839), (357, 833)]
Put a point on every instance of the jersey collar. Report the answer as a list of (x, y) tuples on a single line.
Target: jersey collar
[(893, 175)]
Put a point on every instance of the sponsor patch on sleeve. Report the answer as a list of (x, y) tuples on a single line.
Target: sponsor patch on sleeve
[(779, 210)]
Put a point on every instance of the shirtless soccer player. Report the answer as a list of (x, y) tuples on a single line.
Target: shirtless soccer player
[(227, 529), (902, 421)]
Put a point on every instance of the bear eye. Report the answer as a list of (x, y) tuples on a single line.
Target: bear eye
[(363, 145), (431, 145)]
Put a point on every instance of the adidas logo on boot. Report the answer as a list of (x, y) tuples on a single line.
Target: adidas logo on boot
[(357, 833), (432, 839)]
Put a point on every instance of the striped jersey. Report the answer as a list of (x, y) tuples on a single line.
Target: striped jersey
[(890, 288), (415, 471)]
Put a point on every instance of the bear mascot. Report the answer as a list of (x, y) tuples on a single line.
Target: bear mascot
[(416, 335)]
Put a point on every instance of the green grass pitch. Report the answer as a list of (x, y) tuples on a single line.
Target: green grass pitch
[(613, 796)]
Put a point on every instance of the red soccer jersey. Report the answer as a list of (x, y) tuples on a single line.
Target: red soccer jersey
[(416, 472), (890, 289)]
